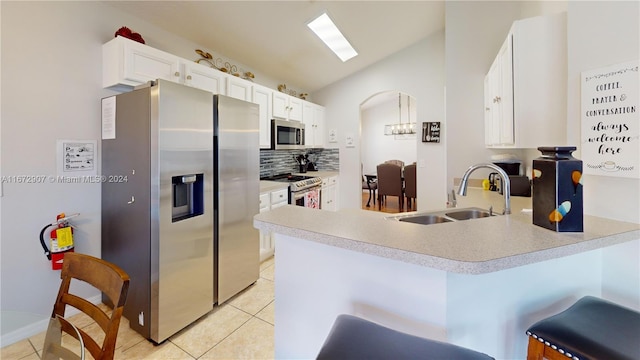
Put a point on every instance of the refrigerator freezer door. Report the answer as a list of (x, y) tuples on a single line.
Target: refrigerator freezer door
[(158, 225), (182, 259), (238, 165)]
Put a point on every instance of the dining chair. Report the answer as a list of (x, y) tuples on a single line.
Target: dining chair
[(390, 183), (108, 278), (369, 184), (410, 185), (396, 162)]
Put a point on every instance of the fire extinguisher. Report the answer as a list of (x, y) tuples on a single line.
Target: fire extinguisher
[(61, 240)]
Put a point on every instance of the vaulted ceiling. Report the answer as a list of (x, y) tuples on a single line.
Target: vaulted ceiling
[(272, 38)]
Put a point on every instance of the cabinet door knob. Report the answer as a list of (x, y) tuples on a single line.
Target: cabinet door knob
[(188, 77), (177, 73)]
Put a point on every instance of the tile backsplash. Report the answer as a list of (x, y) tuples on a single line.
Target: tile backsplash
[(273, 162)]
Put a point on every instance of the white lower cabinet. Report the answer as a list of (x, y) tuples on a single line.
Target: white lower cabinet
[(270, 200), (329, 194)]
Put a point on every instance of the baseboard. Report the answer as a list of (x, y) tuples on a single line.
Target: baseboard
[(38, 326)]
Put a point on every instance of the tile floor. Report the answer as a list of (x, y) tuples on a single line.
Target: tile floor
[(242, 328)]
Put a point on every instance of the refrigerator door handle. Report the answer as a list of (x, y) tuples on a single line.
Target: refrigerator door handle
[(189, 179)]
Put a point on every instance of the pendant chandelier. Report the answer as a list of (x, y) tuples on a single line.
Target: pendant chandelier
[(401, 128)]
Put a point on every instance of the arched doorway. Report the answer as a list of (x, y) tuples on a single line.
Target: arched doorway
[(377, 144)]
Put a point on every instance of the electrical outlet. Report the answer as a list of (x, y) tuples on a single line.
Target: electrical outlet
[(333, 136), (141, 318), (349, 142)]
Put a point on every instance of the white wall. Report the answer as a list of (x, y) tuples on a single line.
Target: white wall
[(604, 33), (599, 33), (376, 147), (475, 31), (417, 70)]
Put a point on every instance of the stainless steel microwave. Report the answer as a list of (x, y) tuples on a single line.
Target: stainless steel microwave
[(287, 134)]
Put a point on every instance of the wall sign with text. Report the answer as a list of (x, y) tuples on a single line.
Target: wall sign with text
[(610, 121), (431, 132)]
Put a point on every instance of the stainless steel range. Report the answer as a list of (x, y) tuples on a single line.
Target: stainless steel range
[(303, 190)]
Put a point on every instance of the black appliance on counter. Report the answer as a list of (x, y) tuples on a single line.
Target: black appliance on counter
[(304, 164), (311, 166), (520, 184)]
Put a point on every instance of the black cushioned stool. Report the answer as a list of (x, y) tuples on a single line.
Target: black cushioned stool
[(355, 338), (591, 328)]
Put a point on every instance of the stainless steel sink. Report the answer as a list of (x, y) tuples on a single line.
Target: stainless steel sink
[(467, 214), (439, 217), (425, 219)]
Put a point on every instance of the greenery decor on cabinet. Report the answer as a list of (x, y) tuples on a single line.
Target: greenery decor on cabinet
[(283, 89), (127, 63), (223, 66)]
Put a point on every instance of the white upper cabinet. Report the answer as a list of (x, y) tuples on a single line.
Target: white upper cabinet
[(262, 96), (287, 107), (204, 77), (499, 119), (313, 119), (526, 87), (295, 108), (130, 63), (127, 62), (239, 88)]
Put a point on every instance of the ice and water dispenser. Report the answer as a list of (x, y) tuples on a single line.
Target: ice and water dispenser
[(187, 196)]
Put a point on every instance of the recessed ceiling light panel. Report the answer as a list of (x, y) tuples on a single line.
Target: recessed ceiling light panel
[(332, 37)]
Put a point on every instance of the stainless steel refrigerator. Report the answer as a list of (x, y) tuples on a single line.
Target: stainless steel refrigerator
[(181, 170)]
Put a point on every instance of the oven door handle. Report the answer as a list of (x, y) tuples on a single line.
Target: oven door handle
[(300, 194)]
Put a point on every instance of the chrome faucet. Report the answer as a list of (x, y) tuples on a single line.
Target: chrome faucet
[(505, 189)]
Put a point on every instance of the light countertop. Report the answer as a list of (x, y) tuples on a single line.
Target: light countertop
[(268, 186), (469, 247)]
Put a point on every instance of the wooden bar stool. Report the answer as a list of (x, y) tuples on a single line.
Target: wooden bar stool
[(355, 338), (591, 328)]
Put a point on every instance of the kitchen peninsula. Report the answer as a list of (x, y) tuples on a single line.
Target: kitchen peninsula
[(476, 283)]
